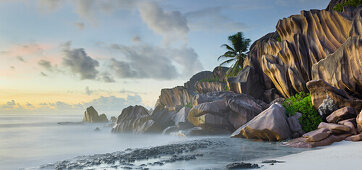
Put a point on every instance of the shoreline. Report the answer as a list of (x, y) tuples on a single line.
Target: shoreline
[(326, 157)]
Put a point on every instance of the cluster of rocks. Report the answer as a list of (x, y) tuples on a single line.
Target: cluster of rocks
[(129, 158), (342, 124)]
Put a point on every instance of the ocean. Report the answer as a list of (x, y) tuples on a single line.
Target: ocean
[(31, 141)]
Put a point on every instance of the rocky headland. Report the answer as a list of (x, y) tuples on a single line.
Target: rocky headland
[(316, 52)]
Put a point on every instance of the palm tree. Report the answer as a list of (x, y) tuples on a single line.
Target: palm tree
[(236, 53)]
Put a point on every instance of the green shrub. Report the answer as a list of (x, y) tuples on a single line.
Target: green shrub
[(351, 3), (279, 39), (302, 103)]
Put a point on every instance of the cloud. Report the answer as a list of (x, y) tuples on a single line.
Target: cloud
[(45, 64), (211, 19), (79, 25), (104, 104), (113, 104), (80, 63), (170, 25), (106, 77), (147, 61), (49, 4), (20, 58)]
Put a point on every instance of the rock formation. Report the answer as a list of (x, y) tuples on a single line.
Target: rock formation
[(315, 45), (270, 125), (91, 116), (133, 119)]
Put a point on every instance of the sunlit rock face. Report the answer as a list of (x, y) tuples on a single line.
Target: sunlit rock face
[(133, 119), (328, 39), (270, 125), (91, 116)]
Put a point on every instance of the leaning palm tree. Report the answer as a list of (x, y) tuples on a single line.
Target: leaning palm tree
[(236, 53)]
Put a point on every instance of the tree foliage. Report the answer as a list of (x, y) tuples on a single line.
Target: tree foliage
[(236, 53), (302, 103)]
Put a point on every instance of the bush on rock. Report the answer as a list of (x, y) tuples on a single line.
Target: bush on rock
[(302, 103)]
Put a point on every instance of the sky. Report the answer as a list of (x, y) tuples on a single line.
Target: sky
[(61, 56)]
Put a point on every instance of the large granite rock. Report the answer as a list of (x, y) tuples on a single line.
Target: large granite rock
[(190, 85), (243, 109), (284, 59), (210, 115), (247, 82), (177, 96), (162, 117), (269, 125), (342, 69), (133, 119), (341, 114), (91, 116)]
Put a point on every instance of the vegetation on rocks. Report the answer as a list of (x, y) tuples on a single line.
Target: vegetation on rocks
[(302, 103), (351, 3)]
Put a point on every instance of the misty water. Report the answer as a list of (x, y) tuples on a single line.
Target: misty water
[(29, 141)]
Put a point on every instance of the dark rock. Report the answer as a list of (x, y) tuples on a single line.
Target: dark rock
[(294, 125), (247, 82), (242, 165), (272, 161)]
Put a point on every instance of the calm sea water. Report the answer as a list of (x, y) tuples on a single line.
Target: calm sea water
[(32, 140)]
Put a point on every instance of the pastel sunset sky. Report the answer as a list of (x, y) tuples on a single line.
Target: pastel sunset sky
[(61, 56)]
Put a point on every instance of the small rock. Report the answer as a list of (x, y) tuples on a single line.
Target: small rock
[(317, 135), (242, 165), (355, 138), (359, 122), (272, 161), (97, 129), (341, 114), (335, 128)]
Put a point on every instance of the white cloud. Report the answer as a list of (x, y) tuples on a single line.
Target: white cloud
[(211, 19), (171, 25), (147, 61)]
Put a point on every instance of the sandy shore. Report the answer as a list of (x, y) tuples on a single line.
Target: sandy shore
[(338, 156)]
